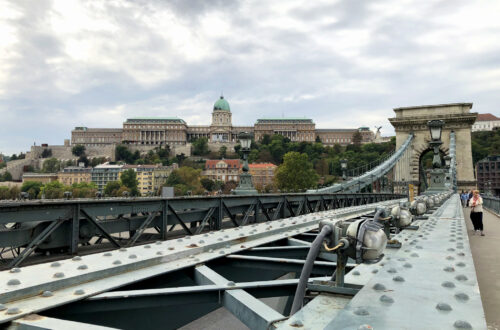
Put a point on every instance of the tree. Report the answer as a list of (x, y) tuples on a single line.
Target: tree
[(46, 153), (222, 152), (207, 184), (200, 146), (266, 139), (83, 159), (318, 139), (357, 138), (32, 188), (128, 179), (296, 173), (111, 188), (53, 190), (6, 176), (51, 165), (78, 150), (185, 179)]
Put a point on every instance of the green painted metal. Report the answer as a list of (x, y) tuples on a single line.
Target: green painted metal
[(222, 104)]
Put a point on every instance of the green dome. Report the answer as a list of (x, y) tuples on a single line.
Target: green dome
[(221, 104)]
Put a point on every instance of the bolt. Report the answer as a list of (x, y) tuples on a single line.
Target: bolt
[(361, 311), (449, 269), (461, 296), (79, 292), (462, 325), (55, 264), (460, 264), (107, 254), (375, 271), (448, 284), (47, 294), (386, 299), (83, 267), (443, 307), (15, 270), (59, 275), (222, 252), (231, 283), (77, 258), (117, 262), (147, 246), (398, 279), (379, 287), (297, 324), (356, 273), (392, 270), (13, 310), (132, 256)]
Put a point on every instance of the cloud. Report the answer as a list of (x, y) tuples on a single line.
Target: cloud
[(66, 63)]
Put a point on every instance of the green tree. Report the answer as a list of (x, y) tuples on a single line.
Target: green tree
[(51, 165), (78, 150), (111, 189), (200, 146), (46, 153), (32, 188), (6, 176), (222, 152), (83, 159), (53, 190), (296, 173), (128, 179), (185, 179), (208, 184)]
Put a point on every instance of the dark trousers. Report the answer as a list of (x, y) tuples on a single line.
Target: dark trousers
[(477, 220)]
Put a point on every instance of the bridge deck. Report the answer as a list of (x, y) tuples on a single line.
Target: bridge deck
[(430, 283), (485, 253)]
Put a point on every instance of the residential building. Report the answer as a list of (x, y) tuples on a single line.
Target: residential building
[(486, 122), (222, 169), (173, 131), (262, 174), (104, 173), (488, 175), (150, 177), (39, 177), (75, 174)]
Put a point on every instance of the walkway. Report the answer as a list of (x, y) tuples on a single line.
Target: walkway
[(485, 251)]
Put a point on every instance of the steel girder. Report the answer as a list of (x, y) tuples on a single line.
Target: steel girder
[(56, 224)]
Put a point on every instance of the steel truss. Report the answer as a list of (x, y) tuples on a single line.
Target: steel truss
[(171, 283), (67, 224)]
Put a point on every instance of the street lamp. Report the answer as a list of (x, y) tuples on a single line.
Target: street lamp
[(245, 186), (435, 128), (343, 167)]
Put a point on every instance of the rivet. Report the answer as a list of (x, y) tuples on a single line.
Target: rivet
[(449, 269), (47, 294), (206, 235), (211, 250), (398, 279), (159, 253), (14, 281), (297, 324), (461, 254), (117, 262), (132, 256), (107, 254), (415, 255), (361, 311), (171, 248), (220, 239), (386, 299), (15, 270), (451, 249), (392, 270), (179, 240), (222, 252), (187, 237), (82, 267), (55, 264), (379, 287), (443, 307), (402, 259), (147, 246), (461, 278), (448, 284), (462, 296), (460, 264), (226, 236), (59, 275), (13, 310), (450, 258), (158, 243), (462, 325), (227, 246), (375, 271), (79, 292), (122, 249), (230, 283), (419, 247), (77, 258), (356, 273)]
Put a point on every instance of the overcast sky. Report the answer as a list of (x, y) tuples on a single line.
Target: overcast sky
[(67, 63)]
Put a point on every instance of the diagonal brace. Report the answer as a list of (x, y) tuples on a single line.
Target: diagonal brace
[(98, 226)]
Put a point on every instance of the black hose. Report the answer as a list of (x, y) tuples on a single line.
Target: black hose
[(307, 269)]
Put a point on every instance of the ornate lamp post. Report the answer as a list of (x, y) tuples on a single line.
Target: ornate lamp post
[(437, 174), (245, 187)]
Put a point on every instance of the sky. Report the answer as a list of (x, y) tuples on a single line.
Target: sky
[(345, 64)]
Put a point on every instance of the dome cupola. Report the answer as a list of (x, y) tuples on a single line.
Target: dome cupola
[(222, 104)]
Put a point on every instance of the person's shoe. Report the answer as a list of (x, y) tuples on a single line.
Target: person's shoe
[(482, 234)]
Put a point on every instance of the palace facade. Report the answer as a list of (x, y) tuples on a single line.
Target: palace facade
[(175, 131)]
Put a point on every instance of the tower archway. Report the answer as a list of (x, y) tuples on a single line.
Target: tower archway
[(457, 118)]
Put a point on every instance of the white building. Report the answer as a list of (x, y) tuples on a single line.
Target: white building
[(485, 122)]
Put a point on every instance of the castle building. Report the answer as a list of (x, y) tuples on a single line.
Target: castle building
[(174, 131)]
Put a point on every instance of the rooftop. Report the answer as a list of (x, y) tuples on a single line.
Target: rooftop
[(155, 119), (284, 119), (486, 117)]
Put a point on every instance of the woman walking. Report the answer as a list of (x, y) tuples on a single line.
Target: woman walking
[(476, 212)]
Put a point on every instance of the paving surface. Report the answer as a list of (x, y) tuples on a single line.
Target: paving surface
[(485, 251)]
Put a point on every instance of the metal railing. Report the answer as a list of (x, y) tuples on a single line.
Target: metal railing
[(492, 203)]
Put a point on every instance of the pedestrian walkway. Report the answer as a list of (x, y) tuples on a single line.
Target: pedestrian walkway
[(485, 251)]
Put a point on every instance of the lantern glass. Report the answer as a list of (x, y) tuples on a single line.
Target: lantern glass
[(435, 128), (245, 140), (343, 164)]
